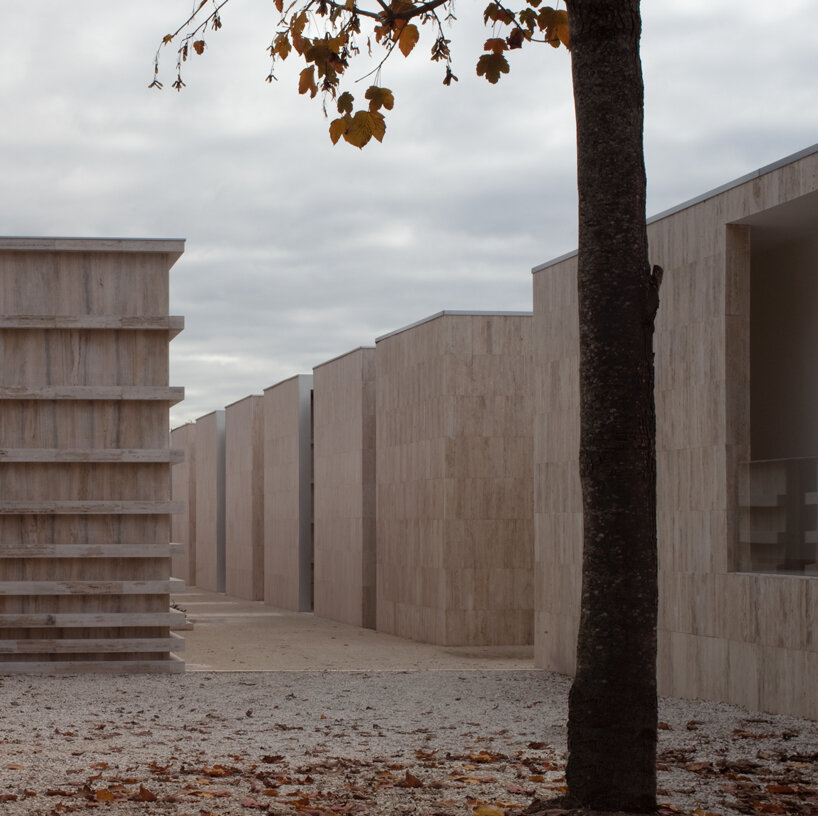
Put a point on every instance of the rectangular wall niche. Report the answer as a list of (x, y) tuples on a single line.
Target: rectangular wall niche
[(84, 458)]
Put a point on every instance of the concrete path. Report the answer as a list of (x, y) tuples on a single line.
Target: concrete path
[(230, 634)]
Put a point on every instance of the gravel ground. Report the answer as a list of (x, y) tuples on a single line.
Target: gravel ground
[(319, 743)]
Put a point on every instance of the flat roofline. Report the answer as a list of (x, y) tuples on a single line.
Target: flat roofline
[(216, 411), (243, 399), (288, 379), (184, 425), (730, 185), (169, 246), (345, 354), (455, 312)]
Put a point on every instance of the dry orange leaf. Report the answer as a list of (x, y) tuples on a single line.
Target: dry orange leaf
[(144, 795), (408, 39), (306, 82), (488, 810), (365, 125), (484, 756), (411, 781)]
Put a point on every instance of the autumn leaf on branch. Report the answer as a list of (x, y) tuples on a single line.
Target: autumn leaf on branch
[(358, 129), (491, 66), (408, 39), (339, 127), (329, 34), (306, 82), (365, 125), (345, 101), (555, 25), (379, 98), (281, 46)]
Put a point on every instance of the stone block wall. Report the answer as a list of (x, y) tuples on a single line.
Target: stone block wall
[(288, 550), (723, 634), (85, 467), (344, 468), (244, 499), (183, 490), (210, 501), (454, 481)]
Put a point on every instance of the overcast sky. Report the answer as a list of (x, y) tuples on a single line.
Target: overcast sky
[(297, 250)]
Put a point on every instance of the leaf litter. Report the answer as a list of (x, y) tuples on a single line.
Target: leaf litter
[(337, 743)]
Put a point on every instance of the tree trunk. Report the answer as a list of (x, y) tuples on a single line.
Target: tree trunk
[(613, 707)]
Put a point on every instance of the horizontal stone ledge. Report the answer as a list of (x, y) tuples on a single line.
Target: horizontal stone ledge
[(112, 393), (82, 508), (173, 643), (167, 246), (91, 551), (86, 620), (169, 323), (148, 456), (39, 588)]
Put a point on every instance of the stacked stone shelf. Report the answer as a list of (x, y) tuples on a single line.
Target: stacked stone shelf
[(85, 461)]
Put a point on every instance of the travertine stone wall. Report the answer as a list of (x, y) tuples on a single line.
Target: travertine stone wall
[(288, 494), (724, 635), (454, 480), (344, 467), (183, 489), (84, 459), (244, 499), (557, 493), (210, 501)]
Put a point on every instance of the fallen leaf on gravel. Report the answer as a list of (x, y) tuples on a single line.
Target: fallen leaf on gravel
[(488, 810), (485, 756), (472, 780), (519, 789), (8, 797), (144, 795), (219, 770), (14, 767), (104, 795), (697, 767), (409, 781)]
